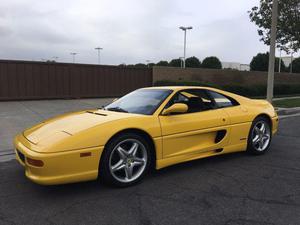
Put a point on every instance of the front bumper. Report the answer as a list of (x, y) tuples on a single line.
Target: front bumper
[(58, 168)]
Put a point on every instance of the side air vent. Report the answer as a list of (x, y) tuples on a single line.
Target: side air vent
[(219, 150), (220, 135)]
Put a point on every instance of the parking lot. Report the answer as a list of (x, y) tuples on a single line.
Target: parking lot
[(230, 189), (15, 116)]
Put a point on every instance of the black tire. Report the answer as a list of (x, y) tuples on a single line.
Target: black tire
[(105, 169), (252, 148)]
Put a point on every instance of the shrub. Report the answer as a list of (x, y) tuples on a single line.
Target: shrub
[(249, 91), (260, 62), (296, 65), (193, 62), (181, 83), (162, 63), (211, 63), (175, 63)]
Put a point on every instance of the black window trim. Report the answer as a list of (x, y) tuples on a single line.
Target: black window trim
[(182, 90), (162, 101), (207, 91)]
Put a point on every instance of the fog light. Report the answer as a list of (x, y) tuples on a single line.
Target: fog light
[(35, 162)]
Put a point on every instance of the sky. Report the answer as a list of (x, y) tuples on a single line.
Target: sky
[(129, 31)]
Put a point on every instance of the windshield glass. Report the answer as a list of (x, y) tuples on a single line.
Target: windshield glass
[(142, 101)]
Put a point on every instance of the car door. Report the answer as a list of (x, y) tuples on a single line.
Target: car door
[(199, 130), (238, 117)]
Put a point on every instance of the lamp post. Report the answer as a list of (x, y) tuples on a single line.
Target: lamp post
[(181, 62), (98, 49), (73, 56), (270, 87), (184, 43), (279, 66)]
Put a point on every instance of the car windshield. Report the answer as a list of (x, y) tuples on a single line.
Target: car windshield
[(142, 101)]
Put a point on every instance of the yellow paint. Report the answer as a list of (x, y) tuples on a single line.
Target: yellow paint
[(175, 108), (59, 141)]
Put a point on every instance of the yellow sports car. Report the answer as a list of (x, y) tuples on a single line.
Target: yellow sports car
[(150, 127)]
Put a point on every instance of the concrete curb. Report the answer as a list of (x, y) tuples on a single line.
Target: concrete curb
[(287, 111)]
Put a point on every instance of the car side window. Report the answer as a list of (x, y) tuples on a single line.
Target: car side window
[(197, 100), (177, 98), (222, 101)]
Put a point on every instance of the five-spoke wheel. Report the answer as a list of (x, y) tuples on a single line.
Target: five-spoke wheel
[(260, 136), (125, 160), (128, 160)]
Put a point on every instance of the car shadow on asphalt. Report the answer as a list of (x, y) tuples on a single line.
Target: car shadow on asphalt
[(158, 177)]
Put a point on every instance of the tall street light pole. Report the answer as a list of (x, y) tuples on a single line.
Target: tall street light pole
[(279, 66), (270, 87), (181, 61), (98, 49), (73, 56), (184, 44)]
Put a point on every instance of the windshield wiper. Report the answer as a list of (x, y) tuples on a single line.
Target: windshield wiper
[(116, 109)]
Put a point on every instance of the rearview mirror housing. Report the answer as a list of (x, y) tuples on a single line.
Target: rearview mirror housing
[(175, 108)]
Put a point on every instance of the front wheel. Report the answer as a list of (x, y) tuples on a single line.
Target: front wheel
[(125, 160), (260, 136)]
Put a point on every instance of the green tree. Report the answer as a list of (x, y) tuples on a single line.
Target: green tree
[(140, 65), (150, 65), (193, 62), (211, 62), (296, 65), (288, 28), (162, 63), (260, 62), (175, 63)]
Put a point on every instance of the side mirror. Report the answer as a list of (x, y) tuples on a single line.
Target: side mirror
[(175, 108)]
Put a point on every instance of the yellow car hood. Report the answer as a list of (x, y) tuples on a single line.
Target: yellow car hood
[(59, 128)]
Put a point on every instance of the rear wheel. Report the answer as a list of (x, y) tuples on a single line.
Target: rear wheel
[(125, 160), (260, 136)]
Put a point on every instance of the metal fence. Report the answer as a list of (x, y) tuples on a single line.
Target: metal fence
[(39, 80)]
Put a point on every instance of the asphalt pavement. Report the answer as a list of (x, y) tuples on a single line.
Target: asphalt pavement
[(230, 189)]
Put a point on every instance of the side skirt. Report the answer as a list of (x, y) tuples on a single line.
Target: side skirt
[(189, 157)]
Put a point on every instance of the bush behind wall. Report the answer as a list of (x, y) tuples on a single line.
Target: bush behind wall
[(249, 91)]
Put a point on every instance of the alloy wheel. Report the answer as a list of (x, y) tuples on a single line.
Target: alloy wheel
[(261, 136), (128, 160)]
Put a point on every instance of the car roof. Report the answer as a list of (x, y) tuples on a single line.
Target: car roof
[(238, 98), (178, 88)]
